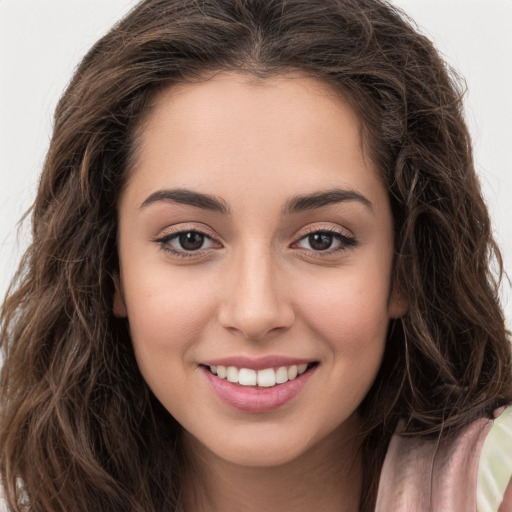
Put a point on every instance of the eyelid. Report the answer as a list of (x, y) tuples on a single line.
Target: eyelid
[(323, 228), (184, 227)]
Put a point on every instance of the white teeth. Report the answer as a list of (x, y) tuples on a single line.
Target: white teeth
[(232, 374), (247, 377), (267, 378), (282, 375), (292, 372), (264, 378)]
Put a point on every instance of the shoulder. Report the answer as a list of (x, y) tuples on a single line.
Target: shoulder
[(421, 475)]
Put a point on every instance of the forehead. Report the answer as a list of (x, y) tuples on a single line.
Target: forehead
[(289, 130)]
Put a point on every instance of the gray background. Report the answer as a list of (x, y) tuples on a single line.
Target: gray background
[(41, 42)]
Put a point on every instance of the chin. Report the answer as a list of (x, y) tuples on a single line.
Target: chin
[(250, 445), (262, 455)]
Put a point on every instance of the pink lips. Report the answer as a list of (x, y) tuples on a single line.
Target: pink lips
[(255, 399)]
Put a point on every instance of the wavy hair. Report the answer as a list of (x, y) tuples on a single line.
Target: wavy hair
[(79, 428)]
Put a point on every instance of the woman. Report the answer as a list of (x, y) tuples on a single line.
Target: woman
[(259, 250)]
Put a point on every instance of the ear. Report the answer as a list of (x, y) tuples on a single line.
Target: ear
[(119, 307), (398, 303)]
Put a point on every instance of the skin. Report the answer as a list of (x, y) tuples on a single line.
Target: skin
[(257, 286)]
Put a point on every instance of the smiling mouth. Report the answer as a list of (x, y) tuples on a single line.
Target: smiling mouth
[(264, 378)]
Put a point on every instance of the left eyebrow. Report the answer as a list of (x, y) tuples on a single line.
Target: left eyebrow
[(319, 199)]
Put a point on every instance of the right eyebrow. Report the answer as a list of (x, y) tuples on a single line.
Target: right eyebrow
[(188, 197)]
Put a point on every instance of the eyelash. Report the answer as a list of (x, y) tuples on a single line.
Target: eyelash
[(345, 242)]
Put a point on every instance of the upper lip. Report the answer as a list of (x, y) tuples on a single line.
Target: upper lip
[(260, 363)]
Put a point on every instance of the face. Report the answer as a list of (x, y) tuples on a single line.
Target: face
[(256, 247)]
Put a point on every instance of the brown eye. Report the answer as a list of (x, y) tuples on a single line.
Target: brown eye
[(320, 241), (191, 240)]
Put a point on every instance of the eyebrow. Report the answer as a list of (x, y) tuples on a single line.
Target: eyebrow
[(296, 204), (188, 197), (319, 199)]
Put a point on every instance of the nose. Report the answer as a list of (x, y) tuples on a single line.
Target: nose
[(255, 304)]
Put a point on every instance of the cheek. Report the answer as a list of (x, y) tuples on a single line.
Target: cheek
[(351, 323), (167, 314), (349, 314), (352, 309)]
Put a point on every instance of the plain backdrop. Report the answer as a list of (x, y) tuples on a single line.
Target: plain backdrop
[(42, 41)]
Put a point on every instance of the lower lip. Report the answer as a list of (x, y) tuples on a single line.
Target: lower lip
[(257, 399)]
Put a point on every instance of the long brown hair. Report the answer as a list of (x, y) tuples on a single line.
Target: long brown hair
[(79, 428)]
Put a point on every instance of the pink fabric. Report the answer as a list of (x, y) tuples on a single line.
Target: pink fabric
[(426, 476)]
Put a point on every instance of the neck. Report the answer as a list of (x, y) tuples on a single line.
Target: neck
[(327, 477)]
